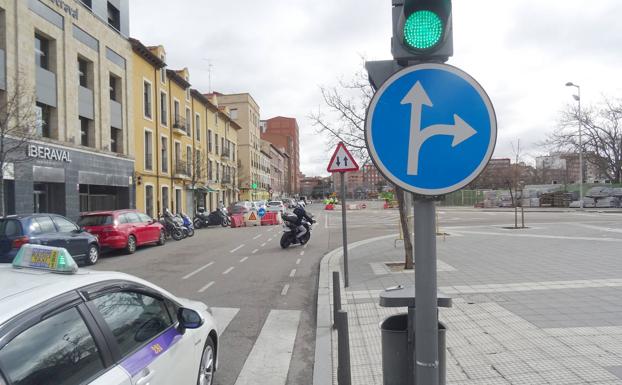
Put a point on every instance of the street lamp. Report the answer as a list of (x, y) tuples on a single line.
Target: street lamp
[(578, 99)]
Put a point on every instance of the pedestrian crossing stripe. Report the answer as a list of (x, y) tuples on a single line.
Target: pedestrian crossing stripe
[(252, 216)]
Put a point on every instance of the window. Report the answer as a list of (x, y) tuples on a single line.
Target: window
[(178, 153), (217, 171), (147, 99), (188, 160), (216, 141), (188, 121), (164, 198), (187, 93), (44, 116), (197, 162), (163, 108), (178, 204), (133, 318), (63, 225), (209, 170), (222, 144), (86, 138), (114, 17), (87, 3), (234, 113), (163, 73), (41, 225), (129, 218), (197, 127), (42, 52), (115, 140), (164, 150), (149, 200), (58, 350), (148, 150), (83, 72), (115, 88), (177, 117), (209, 140), (143, 218), (233, 151)]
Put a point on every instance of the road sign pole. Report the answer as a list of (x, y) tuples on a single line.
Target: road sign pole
[(344, 230), (426, 315)]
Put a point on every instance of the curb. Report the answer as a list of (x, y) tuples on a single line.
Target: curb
[(323, 368)]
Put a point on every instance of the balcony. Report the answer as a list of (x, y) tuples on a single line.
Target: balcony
[(182, 170), (180, 126), (226, 179), (225, 154)]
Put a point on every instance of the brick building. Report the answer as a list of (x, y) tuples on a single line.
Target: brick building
[(284, 133)]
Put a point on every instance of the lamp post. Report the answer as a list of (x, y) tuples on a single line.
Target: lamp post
[(578, 99)]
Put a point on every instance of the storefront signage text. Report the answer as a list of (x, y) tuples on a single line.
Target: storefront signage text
[(42, 152), (73, 12)]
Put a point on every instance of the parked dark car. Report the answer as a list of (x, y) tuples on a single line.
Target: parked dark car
[(49, 230), (123, 229)]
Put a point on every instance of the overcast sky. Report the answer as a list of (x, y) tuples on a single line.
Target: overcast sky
[(521, 51)]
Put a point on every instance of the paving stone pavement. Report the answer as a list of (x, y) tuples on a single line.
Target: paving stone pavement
[(535, 306)]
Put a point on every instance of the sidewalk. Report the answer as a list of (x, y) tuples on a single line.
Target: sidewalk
[(541, 306)]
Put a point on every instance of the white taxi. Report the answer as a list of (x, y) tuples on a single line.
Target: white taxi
[(95, 327)]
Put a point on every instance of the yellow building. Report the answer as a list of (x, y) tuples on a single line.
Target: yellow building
[(173, 126)]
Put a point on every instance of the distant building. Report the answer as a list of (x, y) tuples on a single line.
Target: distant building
[(284, 133), (564, 168)]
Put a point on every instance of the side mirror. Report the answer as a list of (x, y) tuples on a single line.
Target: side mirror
[(189, 319)]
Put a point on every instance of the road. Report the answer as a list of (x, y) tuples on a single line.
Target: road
[(264, 297)]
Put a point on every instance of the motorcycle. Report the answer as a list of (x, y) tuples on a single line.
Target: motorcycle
[(186, 224), (172, 228), (290, 230), (215, 218), (201, 218)]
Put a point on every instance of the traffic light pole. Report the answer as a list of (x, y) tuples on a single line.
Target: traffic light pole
[(426, 313)]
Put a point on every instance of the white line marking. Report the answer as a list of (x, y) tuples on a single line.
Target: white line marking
[(243, 259), (269, 360), (298, 261), (305, 246), (257, 236), (228, 270), (542, 236), (292, 273), (285, 289), (223, 316), (201, 290), (326, 221), (236, 249), (197, 271), (263, 244), (302, 253), (255, 251)]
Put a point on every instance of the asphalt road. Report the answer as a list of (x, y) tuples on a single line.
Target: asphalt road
[(264, 295)]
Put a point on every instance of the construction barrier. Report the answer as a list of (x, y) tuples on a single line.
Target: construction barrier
[(329, 207), (269, 219), (237, 220), (252, 219)]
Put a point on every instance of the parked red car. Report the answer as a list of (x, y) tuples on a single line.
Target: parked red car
[(123, 229)]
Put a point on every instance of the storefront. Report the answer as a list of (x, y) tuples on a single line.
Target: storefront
[(67, 181)]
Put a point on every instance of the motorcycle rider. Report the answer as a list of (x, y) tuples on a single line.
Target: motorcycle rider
[(301, 213)]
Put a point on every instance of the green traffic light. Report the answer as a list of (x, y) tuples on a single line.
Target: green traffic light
[(423, 30)]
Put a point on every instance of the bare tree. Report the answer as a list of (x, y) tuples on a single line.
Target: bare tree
[(18, 126), (197, 171), (601, 127), (347, 104)]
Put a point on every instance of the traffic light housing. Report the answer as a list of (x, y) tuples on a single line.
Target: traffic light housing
[(422, 31)]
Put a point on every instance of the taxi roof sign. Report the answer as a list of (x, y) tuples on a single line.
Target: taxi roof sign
[(54, 259)]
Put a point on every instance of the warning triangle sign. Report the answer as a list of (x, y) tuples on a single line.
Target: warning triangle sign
[(252, 216), (342, 160)]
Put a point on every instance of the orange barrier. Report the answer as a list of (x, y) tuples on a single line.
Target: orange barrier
[(237, 220)]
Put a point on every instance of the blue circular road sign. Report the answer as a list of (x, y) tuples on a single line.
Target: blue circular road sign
[(431, 129), (261, 212)]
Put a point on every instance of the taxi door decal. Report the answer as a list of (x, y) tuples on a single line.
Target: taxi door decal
[(147, 354)]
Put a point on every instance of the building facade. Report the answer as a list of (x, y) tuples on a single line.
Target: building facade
[(284, 133), (73, 60), (185, 145), (244, 111), (277, 172)]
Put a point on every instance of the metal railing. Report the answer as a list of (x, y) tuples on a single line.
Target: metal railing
[(180, 123)]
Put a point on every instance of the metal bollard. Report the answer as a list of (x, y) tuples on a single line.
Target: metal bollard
[(343, 345), (336, 297)]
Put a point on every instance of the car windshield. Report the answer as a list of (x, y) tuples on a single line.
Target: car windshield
[(275, 203), (95, 220)]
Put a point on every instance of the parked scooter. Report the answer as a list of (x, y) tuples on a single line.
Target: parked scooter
[(215, 218), (201, 218), (172, 227), (186, 224)]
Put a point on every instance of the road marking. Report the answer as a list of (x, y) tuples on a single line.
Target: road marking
[(269, 360), (292, 273), (228, 270), (542, 236), (201, 290), (243, 259), (236, 249), (298, 261), (197, 271), (302, 253), (263, 244), (223, 316), (305, 246), (326, 221), (254, 251), (257, 236), (285, 289)]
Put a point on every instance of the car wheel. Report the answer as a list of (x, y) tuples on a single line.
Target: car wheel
[(162, 239), (131, 245), (92, 255), (207, 366)]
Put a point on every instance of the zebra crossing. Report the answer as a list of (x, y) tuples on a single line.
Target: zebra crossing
[(269, 360)]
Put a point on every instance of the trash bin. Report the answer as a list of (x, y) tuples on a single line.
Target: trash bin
[(396, 359)]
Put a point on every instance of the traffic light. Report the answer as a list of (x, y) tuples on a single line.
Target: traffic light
[(422, 31)]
